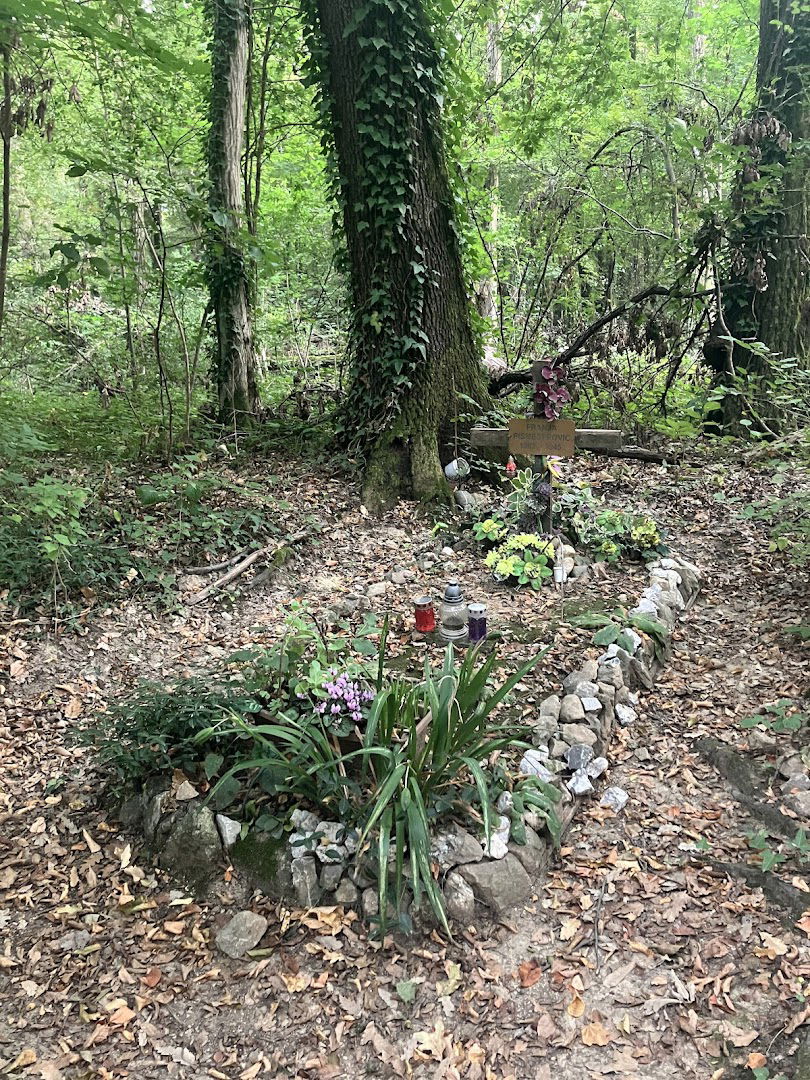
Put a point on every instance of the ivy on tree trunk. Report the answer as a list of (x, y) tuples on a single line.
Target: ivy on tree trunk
[(766, 294), (375, 66), (227, 272), (6, 132)]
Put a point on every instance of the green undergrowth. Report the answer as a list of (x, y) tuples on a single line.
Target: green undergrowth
[(320, 721), (72, 536)]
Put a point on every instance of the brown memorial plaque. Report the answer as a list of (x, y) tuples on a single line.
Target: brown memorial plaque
[(548, 438)]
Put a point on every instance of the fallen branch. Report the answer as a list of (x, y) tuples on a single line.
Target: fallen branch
[(211, 568), (577, 346), (734, 768), (638, 453), (237, 571), (790, 899)]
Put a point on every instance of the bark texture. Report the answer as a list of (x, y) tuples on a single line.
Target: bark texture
[(421, 271), (228, 277), (487, 292), (783, 78), (767, 295), (6, 131)]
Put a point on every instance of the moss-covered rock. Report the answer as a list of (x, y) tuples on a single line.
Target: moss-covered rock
[(267, 862)]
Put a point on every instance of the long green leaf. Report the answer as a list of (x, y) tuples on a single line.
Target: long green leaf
[(477, 774), (493, 702), (382, 797)]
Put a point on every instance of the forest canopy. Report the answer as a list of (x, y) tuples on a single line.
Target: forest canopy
[(380, 212)]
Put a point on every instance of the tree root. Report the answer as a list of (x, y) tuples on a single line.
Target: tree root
[(734, 768), (791, 900)]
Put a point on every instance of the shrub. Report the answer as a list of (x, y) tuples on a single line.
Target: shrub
[(157, 727)]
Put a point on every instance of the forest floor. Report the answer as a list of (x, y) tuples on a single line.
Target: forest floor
[(637, 957)]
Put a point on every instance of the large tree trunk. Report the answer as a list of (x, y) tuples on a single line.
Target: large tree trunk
[(227, 272), (783, 77), (767, 297), (413, 347)]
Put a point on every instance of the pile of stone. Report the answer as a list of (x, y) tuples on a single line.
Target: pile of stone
[(317, 862)]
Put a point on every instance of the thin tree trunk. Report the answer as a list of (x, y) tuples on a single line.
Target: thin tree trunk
[(488, 287), (6, 129), (228, 276), (413, 347)]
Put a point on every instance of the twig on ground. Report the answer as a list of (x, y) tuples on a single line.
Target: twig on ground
[(597, 916)]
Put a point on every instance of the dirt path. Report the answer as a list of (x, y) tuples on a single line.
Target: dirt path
[(635, 959)]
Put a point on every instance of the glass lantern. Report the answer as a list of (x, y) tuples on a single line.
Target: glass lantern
[(454, 613)]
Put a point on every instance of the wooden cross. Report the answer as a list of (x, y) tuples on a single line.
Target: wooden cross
[(540, 438)]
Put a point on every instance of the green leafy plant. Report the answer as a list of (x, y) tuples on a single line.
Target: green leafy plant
[(517, 500), (612, 629), (759, 842), (787, 520), (489, 531), (41, 533), (612, 534), (156, 728), (532, 793), (419, 757), (780, 717), (523, 559)]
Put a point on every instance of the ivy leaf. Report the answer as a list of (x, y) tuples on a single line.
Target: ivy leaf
[(212, 764)]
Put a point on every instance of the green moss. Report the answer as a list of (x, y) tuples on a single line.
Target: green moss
[(264, 859)]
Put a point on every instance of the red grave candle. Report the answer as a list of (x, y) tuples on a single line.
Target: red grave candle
[(424, 614)]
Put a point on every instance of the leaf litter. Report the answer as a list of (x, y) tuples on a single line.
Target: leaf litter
[(634, 959)]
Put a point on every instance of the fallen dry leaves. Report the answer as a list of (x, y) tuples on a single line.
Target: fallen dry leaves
[(637, 955)]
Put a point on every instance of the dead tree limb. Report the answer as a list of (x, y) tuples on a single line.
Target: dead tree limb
[(791, 900), (637, 453), (211, 568), (265, 552), (734, 768), (509, 378)]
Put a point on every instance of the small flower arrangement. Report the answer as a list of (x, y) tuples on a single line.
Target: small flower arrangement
[(524, 559), (345, 702), (613, 534), (551, 394)]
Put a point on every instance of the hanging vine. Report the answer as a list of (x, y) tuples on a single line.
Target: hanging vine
[(397, 63)]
